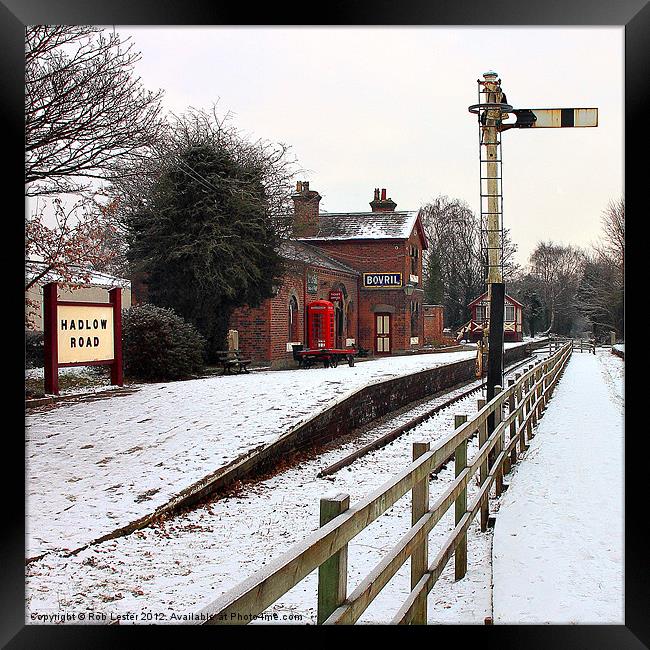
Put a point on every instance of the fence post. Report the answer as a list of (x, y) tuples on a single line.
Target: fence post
[(533, 396), (512, 405), (483, 470), (333, 573), (521, 415), (540, 379), (460, 458), (551, 377), (420, 555), (529, 403), (498, 448)]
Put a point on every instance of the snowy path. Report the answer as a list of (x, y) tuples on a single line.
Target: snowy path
[(558, 541), (96, 466)]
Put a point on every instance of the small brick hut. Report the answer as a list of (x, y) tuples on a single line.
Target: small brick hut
[(512, 318), (433, 324)]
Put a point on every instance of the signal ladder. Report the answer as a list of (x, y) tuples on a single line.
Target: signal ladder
[(491, 198)]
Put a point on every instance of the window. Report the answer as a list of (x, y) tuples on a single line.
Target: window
[(294, 335), (510, 313), (481, 313), (414, 254), (415, 318)]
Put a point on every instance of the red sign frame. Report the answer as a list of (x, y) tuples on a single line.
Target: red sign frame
[(50, 331)]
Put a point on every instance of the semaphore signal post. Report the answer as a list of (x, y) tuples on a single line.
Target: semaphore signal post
[(81, 334), (492, 110)]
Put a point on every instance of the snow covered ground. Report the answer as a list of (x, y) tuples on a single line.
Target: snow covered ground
[(93, 467), (180, 566), (558, 541)]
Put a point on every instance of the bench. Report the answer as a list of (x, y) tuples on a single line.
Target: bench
[(230, 360)]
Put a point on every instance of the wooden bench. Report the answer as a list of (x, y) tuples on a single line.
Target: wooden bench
[(230, 360)]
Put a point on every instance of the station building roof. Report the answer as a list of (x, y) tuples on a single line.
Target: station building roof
[(298, 251), (363, 225)]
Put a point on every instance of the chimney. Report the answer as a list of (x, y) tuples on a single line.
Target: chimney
[(382, 204), (306, 210)]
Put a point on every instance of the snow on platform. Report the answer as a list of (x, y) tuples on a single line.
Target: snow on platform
[(558, 540), (93, 467)]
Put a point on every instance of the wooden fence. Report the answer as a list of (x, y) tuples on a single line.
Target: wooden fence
[(525, 397), (584, 345)]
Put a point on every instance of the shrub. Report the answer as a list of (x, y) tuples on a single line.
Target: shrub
[(34, 349), (159, 345)]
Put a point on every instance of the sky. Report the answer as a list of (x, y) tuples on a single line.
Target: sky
[(387, 107)]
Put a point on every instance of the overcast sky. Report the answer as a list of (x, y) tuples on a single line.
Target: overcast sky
[(387, 107)]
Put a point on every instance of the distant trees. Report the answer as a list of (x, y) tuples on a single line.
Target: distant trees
[(601, 291), (453, 268), (567, 290), (85, 110), (556, 270), (204, 222)]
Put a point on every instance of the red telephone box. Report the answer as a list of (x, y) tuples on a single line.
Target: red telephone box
[(320, 324)]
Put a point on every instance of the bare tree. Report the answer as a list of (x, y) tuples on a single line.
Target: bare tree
[(72, 246), (85, 110), (601, 295), (613, 224), (454, 268), (557, 270)]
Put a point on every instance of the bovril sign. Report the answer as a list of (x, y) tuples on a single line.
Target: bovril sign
[(85, 333), (382, 280)]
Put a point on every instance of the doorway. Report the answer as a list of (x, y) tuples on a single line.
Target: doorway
[(382, 333)]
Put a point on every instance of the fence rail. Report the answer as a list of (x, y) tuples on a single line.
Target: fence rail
[(326, 549)]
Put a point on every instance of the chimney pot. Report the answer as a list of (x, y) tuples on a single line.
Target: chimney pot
[(382, 204)]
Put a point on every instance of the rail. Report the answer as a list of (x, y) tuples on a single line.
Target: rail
[(326, 549)]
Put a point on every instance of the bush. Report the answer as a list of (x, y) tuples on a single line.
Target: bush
[(34, 349), (159, 345)]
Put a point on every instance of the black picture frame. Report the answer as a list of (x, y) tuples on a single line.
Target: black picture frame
[(633, 14)]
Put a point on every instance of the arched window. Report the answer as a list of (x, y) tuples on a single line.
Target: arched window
[(294, 334)]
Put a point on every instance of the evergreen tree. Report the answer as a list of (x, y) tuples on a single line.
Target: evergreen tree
[(202, 233)]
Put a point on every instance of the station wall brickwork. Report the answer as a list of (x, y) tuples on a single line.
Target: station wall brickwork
[(383, 256), (264, 331), (433, 323)]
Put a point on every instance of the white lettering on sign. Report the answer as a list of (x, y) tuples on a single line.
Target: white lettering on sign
[(382, 280), (85, 333)]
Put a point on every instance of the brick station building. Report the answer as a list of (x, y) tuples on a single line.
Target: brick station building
[(369, 264)]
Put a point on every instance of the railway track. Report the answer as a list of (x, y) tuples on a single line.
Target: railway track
[(396, 432)]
